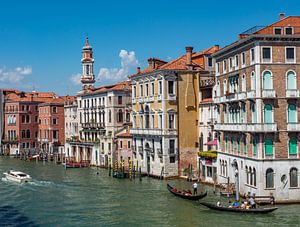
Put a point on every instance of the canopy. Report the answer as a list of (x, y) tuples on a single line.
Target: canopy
[(212, 142)]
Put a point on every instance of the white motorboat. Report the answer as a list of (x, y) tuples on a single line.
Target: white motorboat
[(17, 176)]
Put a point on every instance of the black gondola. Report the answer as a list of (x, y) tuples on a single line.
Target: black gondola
[(239, 210), (181, 195)]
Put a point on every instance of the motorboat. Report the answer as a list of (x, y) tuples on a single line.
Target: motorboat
[(17, 176)]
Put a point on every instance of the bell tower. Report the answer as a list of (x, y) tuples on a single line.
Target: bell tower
[(88, 77)]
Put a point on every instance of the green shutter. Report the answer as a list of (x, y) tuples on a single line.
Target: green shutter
[(292, 113), (268, 146), (268, 113), (293, 146), (267, 81), (254, 143), (291, 81)]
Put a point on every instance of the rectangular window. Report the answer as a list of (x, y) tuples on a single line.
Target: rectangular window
[(55, 134), (54, 109), (277, 31), (218, 67), (109, 146), (171, 146), (236, 61), (134, 91), (230, 63), (121, 144), (141, 90), (128, 144), (224, 65), (54, 121), (160, 87), (266, 54), (252, 55), (160, 121), (152, 88), (170, 87), (243, 58), (289, 31), (171, 121), (120, 100), (210, 62), (102, 146), (147, 90), (290, 54)]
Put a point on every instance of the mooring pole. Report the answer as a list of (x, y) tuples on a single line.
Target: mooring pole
[(140, 170)]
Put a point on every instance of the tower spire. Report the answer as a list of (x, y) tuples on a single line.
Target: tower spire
[(87, 78)]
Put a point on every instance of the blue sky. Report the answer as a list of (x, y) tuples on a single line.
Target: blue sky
[(41, 41)]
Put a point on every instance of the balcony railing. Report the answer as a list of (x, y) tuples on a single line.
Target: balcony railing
[(173, 152), (93, 125), (141, 100), (159, 97), (244, 127), (171, 97), (251, 94), (268, 93), (159, 152), (292, 93), (262, 127), (293, 127), (140, 149)]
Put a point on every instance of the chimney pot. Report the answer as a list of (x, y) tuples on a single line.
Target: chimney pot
[(150, 63), (189, 51), (281, 16), (138, 70)]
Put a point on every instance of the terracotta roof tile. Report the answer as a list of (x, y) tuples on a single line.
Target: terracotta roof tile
[(126, 134), (125, 85)]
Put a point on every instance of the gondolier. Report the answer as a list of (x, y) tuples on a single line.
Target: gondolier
[(195, 187)]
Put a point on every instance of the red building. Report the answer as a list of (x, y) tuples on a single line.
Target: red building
[(22, 120)]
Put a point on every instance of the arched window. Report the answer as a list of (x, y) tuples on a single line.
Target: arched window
[(292, 113), (253, 85), (269, 178), (268, 116), (254, 176), (218, 88), (127, 117), (247, 176), (254, 145), (291, 80), (120, 116), (225, 169), (224, 87), (293, 146), (147, 118), (244, 83), (27, 133), (250, 175), (268, 147), (267, 80), (294, 177), (109, 116), (253, 111)]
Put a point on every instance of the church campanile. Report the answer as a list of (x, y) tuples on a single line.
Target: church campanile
[(88, 77)]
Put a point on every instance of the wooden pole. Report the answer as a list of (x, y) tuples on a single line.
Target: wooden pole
[(109, 170), (140, 170)]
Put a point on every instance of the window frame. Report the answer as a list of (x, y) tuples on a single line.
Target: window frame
[(277, 28), (290, 28), (266, 60), (286, 59)]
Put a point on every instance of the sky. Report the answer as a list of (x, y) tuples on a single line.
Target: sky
[(41, 41)]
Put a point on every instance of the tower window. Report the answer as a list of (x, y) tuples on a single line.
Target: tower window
[(87, 69)]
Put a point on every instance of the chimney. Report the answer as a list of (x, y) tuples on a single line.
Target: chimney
[(150, 63), (281, 16), (138, 70), (189, 51), (217, 47)]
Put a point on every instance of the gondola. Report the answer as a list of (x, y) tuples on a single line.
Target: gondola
[(239, 210), (189, 197)]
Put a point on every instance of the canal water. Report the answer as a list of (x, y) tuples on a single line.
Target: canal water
[(81, 197)]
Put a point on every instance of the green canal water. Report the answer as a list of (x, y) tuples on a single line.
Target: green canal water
[(81, 197)]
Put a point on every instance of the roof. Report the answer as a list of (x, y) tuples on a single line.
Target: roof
[(122, 86), (180, 62)]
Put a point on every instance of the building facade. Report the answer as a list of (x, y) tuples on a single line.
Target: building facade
[(165, 98), (256, 98), (102, 112)]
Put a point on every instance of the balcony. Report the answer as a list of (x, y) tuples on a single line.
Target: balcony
[(149, 151), (251, 94), (171, 97), (93, 125), (293, 127), (268, 93), (242, 96), (141, 100), (230, 127), (54, 140), (144, 131), (219, 99), (292, 93), (151, 98), (262, 127), (133, 100)]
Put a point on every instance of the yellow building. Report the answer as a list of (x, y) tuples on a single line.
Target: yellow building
[(165, 100)]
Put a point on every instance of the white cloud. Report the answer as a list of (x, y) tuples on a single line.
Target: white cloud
[(128, 62), (15, 75), (76, 78)]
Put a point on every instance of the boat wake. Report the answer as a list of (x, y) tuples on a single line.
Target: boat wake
[(42, 183)]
